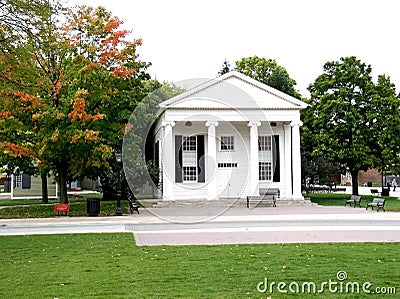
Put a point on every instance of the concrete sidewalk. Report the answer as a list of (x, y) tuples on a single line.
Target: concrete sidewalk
[(217, 225), (217, 214), (286, 224)]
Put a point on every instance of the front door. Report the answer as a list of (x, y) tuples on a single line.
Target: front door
[(228, 181)]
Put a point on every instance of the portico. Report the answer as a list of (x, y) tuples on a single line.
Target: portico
[(227, 138)]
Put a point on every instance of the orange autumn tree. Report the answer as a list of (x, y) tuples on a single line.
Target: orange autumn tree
[(78, 72), (114, 79)]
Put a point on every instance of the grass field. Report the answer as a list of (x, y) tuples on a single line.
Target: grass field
[(112, 266), (332, 199), (28, 208)]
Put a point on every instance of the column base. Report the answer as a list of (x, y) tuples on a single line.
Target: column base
[(212, 198)]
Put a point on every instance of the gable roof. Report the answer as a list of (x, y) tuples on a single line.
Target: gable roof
[(233, 90)]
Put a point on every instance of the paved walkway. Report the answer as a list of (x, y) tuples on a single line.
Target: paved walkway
[(217, 225)]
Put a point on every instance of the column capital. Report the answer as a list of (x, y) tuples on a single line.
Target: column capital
[(254, 123), (296, 123), (168, 123), (287, 127), (212, 123)]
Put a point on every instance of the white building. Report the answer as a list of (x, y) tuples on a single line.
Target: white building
[(227, 138)]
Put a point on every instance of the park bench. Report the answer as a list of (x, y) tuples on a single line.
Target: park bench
[(375, 191), (133, 206), (338, 189), (379, 203), (321, 189), (261, 198), (354, 200), (266, 195), (61, 208), (270, 191)]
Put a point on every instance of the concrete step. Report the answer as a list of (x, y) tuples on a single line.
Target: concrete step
[(241, 202)]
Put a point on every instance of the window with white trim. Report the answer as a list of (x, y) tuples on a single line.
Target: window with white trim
[(265, 158), (265, 171), (189, 173), (264, 143), (189, 159), (18, 181), (189, 144), (227, 143)]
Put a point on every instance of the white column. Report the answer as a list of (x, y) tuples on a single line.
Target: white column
[(288, 160), (168, 157), (158, 191), (211, 165), (253, 157), (296, 155), (12, 185)]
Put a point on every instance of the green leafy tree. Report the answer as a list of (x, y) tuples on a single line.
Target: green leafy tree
[(337, 121), (317, 170), (128, 101), (138, 148), (269, 72), (226, 68), (385, 120)]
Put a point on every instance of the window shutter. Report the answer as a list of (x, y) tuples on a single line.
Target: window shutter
[(26, 181), (201, 167), (178, 158), (276, 159)]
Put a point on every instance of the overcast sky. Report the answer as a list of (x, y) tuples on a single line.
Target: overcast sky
[(191, 39)]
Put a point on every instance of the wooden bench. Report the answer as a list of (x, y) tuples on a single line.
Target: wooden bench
[(266, 194), (342, 189), (270, 191), (354, 200), (375, 191), (379, 203), (61, 208), (260, 198)]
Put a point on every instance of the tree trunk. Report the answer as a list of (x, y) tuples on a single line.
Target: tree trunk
[(45, 193), (109, 191), (108, 187), (62, 180), (354, 181)]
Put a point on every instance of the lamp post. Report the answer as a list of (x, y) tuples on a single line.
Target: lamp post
[(118, 211)]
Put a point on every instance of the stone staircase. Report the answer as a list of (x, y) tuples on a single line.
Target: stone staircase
[(223, 202)]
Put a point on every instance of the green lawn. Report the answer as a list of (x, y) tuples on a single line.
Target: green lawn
[(336, 199), (112, 266), (34, 209), (18, 202)]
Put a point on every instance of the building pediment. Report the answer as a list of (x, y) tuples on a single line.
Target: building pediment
[(233, 91)]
